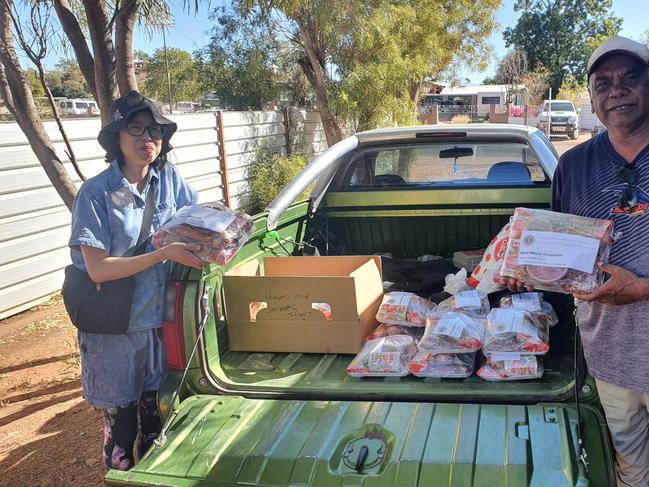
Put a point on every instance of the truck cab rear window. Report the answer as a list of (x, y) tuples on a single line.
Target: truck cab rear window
[(444, 163)]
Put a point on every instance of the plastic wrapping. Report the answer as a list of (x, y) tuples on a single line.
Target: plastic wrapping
[(406, 309), (512, 330), (384, 330), (473, 301), (486, 276), (557, 251), (533, 303), (219, 231), (384, 357), (455, 283), (442, 365), (511, 368), (453, 332)]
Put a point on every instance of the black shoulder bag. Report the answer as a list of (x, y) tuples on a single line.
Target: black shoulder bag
[(105, 307)]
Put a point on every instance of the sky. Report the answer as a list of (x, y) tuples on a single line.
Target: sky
[(191, 32)]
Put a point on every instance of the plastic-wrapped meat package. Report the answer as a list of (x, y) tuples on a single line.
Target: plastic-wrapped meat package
[(442, 365), (517, 331), (533, 303), (405, 309), (486, 276), (219, 231), (556, 251), (384, 357), (474, 301), (453, 332), (384, 330), (511, 368)]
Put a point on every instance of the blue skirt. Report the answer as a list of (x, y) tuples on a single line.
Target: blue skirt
[(117, 369)]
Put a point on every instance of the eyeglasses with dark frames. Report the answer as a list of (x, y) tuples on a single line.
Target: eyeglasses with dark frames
[(137, 129), (629, 197)]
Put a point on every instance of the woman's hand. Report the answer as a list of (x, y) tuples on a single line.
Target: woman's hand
[(183, 254)]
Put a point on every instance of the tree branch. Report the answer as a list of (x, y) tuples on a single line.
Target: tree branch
[(126, 17)]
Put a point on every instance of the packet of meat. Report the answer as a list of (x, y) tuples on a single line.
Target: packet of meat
[(384, 330), (557, 251), (384, 357), (219, 231), (517, 331), (512, 367), (533, 303), (443, 365), (486, 276), (474, 301), (452, 332), (405, 309)]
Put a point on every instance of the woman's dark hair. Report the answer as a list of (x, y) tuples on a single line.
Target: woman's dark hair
[(115, 152)]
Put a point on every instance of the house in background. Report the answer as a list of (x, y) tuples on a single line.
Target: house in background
[(477, 102)]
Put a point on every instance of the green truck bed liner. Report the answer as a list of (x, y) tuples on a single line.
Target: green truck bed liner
[(232, 441)]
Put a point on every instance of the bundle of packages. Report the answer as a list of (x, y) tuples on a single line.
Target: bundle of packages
[(556, 251), (533, 303), (384, 357), (219, 231), (442, 365), (453, 332), (486, 276), (511, 367), (405, 309), (384, 330), (516, 331), (474, 301)]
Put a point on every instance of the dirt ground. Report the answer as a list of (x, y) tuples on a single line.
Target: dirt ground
[(49, 435)]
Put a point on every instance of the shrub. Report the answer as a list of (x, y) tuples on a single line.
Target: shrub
[(271, 172), (461, 119)]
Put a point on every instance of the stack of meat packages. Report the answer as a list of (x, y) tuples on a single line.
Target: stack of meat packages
[(419, 337)]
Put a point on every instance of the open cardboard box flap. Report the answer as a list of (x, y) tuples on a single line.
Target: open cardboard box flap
[(303, 304)]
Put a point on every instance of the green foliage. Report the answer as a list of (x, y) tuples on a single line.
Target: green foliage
[(183, 71), (35, 84), (247, 66), (66, 80), (376, 55), (271, 172), (571, 89), (561, 34)]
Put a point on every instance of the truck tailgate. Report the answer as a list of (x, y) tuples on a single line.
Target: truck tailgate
[(231, 441)]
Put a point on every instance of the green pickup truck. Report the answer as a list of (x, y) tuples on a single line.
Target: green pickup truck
[(293, 419)]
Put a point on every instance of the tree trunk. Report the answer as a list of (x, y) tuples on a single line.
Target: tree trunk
[(78, 41), (124, 26), (333, 127), (104, 55), (17, 95), (413, 92)]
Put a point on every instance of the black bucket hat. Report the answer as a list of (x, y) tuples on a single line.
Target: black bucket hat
[(121, 111)]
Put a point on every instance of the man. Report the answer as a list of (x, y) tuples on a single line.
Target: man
[(608, 177)]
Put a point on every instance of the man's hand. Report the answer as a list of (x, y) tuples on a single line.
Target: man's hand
[(514, 285), (622, 287)]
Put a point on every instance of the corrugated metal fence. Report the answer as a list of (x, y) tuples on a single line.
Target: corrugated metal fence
[(212, 151)]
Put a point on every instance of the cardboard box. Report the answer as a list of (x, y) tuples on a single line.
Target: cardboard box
[(303, 304)]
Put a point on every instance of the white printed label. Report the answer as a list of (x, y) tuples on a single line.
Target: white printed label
[(449, 327), (397, 299), (502, 356), (468, 299), (524, 366), (553, 249), (526, 301), (507, 321)]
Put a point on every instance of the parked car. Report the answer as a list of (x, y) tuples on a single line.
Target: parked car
[(559, 117), (78, 106), (297, 419)]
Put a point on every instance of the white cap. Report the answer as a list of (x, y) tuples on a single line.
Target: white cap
[(618, 45)]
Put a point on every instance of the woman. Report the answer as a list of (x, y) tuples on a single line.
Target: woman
[(122, 373)]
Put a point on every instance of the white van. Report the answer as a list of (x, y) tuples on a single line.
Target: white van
[(78, 106)]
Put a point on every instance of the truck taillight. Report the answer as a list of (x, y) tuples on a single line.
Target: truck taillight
[(172, 325)]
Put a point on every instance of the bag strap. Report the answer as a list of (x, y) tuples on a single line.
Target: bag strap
[(147, 219)]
